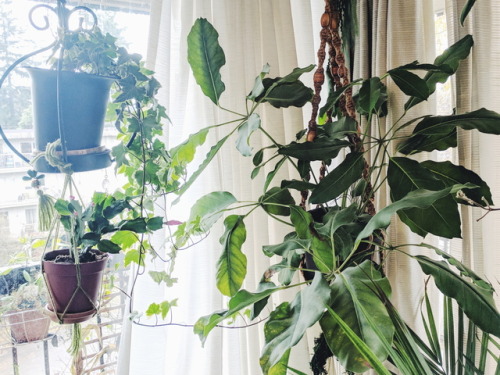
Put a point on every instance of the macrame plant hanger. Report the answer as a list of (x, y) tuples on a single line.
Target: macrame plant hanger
[(339, 73)]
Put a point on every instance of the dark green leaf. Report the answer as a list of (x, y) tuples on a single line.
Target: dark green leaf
[(206, 58), (288, 323), (441, 218), (427, 67), (451, 174), (333, 98), (322, 149), (339, 129), (137, 225), (297, 185), (284, 95), (372, 96), (338, 181), (245, 130), (410, 83), (465, 11), (417, 198), (154, 223), (232, 265), (259, 305), (476, 302), (451, 57), (421, 142), (356, 286), (276, 201), (115, 208), (107, 246)]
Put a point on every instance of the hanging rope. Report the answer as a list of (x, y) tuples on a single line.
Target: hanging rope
[(339, 73)]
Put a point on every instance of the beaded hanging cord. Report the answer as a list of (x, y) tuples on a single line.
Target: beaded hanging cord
[(330, 37)]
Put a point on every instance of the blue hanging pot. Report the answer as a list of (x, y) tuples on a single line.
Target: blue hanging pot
[(78, 118)]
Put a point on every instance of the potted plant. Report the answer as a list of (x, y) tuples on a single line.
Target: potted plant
[(23, 309), (73, 275), (348, 293)]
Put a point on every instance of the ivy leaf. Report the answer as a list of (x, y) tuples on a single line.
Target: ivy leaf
[(354, 287), (339, 180), (162, 277), (276, 201), (206, 57), (232, 265), (289, 321), (245, 130)]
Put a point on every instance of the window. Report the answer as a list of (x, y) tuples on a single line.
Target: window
[(18, 201)]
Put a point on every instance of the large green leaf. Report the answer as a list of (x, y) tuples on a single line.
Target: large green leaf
[(276, 201), (288, 323), (356, 286), (450, 57), (483, 120), (372, 97), (209, 208), (452, 174), (321, 149), (423, 142), (418, 198), (206, 57), (477, 302), (441, 218), (258, 87), (339, 129), (338, 181), (232, 265), (237, 303), (410, 83), (284, 95), (245, 130), (185, 152)]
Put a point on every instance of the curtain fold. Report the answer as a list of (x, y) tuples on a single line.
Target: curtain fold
[(477, 86), (393, 34)]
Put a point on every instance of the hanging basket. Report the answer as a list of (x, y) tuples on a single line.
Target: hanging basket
[(27, 325), (83, 99), (69, 303)]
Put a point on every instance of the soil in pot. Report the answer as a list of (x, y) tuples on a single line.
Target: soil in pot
[(68, 299)]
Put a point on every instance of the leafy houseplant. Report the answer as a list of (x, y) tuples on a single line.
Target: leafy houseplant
[(348, 292), (23, 310), (74, 275)]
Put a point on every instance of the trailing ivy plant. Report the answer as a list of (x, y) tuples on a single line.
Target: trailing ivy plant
[(334, 244)]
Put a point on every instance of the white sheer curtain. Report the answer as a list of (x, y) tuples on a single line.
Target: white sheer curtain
[(252, 33)]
